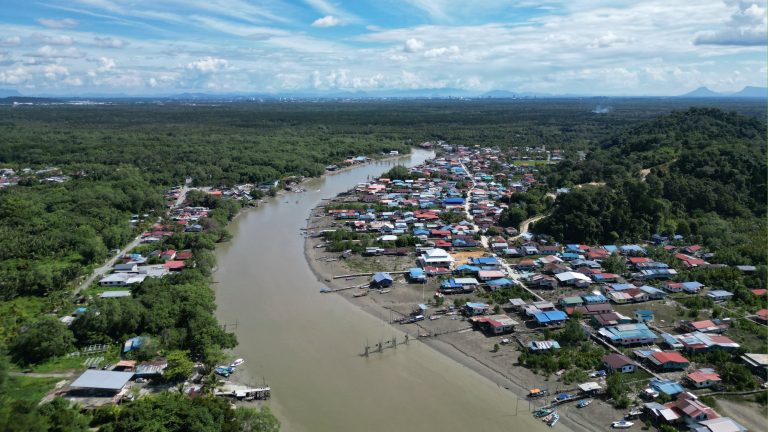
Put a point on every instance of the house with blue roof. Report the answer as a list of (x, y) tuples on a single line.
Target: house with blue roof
[(453, 201), (417, 275), (653, 293), (594, 299), (629, 334), (569, 256), (550, 318), (473, 309), (720, 295), (642, 315), (381, 280), (668, 387), (692, 287), (466, 269), (633, 250), (499, 283)]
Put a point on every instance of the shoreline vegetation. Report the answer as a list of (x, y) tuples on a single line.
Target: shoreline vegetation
[(67, 197)]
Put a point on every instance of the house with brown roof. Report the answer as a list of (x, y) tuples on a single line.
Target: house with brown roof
[(619, 363)]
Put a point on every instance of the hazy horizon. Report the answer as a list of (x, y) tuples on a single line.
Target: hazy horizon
[(581, 47)]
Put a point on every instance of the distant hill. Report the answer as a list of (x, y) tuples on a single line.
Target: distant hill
[(8, 93), (752, 92), (701, 92), (26, 100), (746, 92)]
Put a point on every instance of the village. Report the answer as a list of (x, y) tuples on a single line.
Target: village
[(573, 324), (118, 374)]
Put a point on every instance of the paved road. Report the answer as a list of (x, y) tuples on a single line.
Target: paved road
[(484, 239), (527, 223), (104, 269)]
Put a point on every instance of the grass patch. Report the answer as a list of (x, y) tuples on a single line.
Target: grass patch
[(29, 389), (15, 312), (530, 162)]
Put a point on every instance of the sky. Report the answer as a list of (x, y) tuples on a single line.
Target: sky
[(588, 47)]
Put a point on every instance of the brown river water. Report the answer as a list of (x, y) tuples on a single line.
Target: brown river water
[(306, 345)]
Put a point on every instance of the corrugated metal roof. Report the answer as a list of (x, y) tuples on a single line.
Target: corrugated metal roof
[(102, 380)]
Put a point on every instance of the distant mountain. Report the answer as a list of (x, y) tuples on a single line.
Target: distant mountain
[(746, 92), (752, 92), (8, 93), (701, 92)]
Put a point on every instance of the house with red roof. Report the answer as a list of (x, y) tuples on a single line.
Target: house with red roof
[(762, 315), (692, 409), (174, 265), (168, 255), (703, 378), (668, 360)]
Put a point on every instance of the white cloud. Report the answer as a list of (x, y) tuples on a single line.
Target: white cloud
[(50, 52), (10, 41), (73, 81), (55, 71), (54, 39), (326, 21), (16, 76), (106, 64), (747, 26), (62, 23), (208, 65), (413, 45), (451, 51), (109, 42), (606, 40)]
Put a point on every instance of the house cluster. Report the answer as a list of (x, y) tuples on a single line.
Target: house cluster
[(10, 177), (133, 268), (189, 217)]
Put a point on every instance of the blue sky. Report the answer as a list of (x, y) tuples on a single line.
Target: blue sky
[(146, 47)]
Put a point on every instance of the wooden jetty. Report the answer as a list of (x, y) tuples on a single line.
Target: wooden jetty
[(369, 274)]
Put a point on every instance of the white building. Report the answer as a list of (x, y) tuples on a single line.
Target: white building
[(437, 258)]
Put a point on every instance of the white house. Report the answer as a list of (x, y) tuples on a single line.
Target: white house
[(573, 278), (436, 257)]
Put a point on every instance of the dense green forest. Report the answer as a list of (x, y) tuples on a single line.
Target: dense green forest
[(119, 159), (704, 178)]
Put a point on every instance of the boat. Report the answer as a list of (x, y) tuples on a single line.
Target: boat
[(622, 424), (547, 418), (633, 414), (583, 403), (542, 412), (434, 317), (324, 290), (553, 421), (224, 371), (384, 291), (236, 363)]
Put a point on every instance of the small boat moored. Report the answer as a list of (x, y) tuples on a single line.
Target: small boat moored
[(622, 424), (584, 403), (553, 421), (236, 363)]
